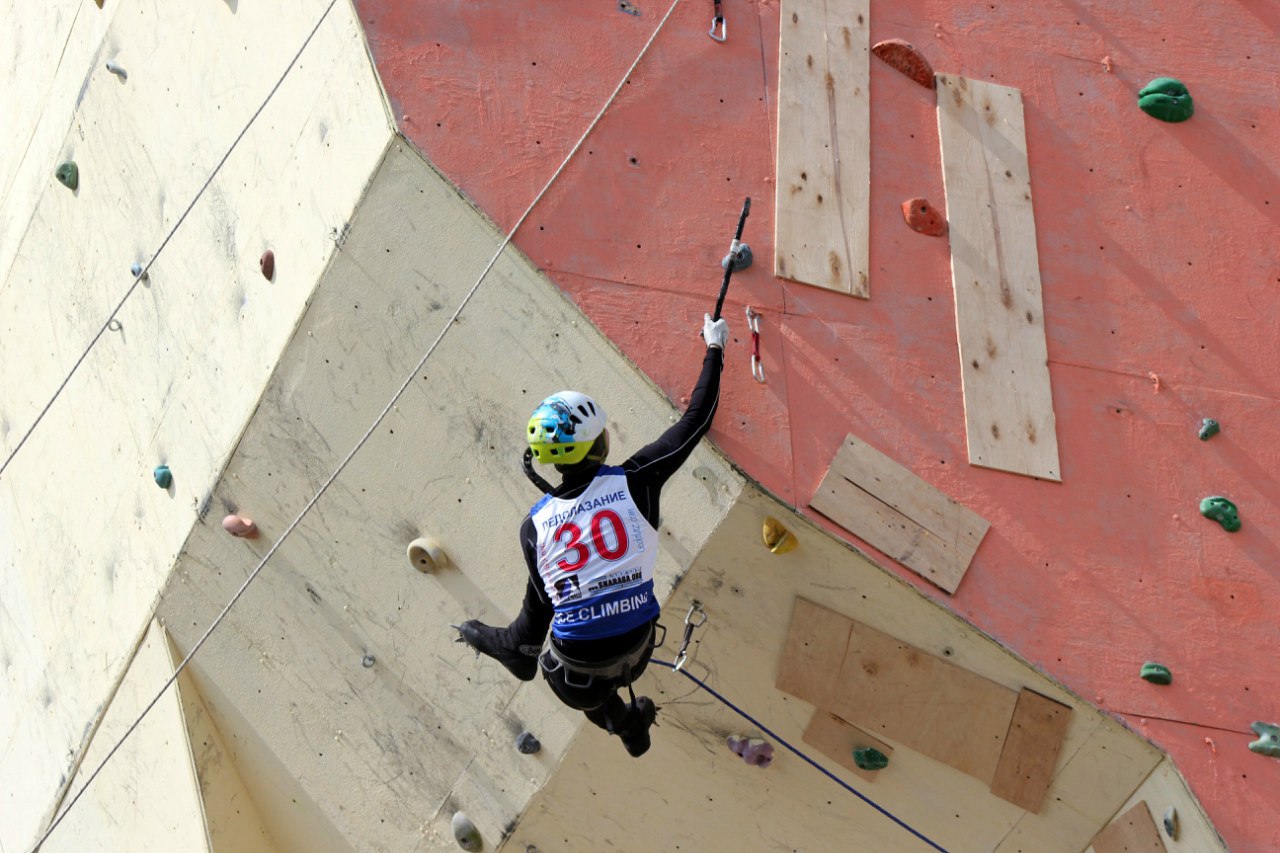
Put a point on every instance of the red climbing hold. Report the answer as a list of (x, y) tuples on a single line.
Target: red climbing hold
[(904, 57), (268, 264), (924, 217), (238, 526)]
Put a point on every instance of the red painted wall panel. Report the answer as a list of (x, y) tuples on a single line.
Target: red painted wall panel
[(1158, 250)]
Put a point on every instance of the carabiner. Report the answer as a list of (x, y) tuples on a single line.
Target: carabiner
[(757, 366), (689, 625), (718, 22)]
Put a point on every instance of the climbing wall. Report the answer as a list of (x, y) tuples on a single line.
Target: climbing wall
[(1158, 306), (87, 538), (379, 726)]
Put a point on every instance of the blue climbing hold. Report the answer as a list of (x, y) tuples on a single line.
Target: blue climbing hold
[(164, 477)]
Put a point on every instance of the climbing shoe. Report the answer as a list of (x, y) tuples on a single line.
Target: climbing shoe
[(497, 643), (635, 730)]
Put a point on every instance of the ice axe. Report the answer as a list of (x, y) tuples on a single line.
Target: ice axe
[(739, 257)]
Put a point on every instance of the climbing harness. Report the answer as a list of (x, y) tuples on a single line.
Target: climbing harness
[(695, 609), (614, 667), (717, 23), (753, 324), (833, 777), (734, 248)]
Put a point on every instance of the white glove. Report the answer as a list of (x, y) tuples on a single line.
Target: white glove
[(715, 332)]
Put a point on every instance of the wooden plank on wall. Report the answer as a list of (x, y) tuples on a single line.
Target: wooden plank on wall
[(837, 738), (880, 501), (893, 689), (1031, 747), (1132, 832), (824, 141), (995, 271), (814, 653)]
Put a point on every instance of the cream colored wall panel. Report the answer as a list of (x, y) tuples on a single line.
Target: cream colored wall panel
[(196, 344), (50, 47), (738, 651), (232, 816), (339, 659), (1165, 788), (147, 797)]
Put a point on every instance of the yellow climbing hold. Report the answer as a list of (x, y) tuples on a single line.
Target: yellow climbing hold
[(777, 538)]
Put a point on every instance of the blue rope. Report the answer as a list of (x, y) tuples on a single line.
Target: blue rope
[(843, 784)]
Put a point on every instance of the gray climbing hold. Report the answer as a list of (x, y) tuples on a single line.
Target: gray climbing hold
[(115, 69), (1208, 429), (137, 270), (465, 832), (68, 174), (1171, 823), (741, 259), (368, 661), (527, 744), (164, 477)]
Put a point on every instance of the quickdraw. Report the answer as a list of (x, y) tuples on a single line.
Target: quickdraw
[(718, 24), (695, 609), (757, 366)]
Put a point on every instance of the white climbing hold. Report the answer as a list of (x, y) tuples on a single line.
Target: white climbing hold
[(426, 555), (465, 832)]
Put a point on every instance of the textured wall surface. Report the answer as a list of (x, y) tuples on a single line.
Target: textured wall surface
[(87, 539), (336, 678), (1156, 255)]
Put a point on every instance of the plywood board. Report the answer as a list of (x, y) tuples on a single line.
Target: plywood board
[(878, 500), (1031, 747), (824, 143), (896, 690), (995, 270), (1132, 832), (1087, 792), (814, 653), (837, 739)]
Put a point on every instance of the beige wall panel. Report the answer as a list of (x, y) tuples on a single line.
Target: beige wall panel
[(86, 537), (995, 270), (147, 797), (232, 816), (389, 750), (738, 651), (1163, 789), (822, 230)]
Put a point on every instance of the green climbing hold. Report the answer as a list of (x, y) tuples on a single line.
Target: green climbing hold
[(870, 758), (68, 174), (1221, 510), (1268, 742), (1156, 673), (164, 477), (1208, 429), (1166, 99)]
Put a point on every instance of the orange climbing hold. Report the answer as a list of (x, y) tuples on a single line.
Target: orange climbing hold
[(904, 57), (924, 217)]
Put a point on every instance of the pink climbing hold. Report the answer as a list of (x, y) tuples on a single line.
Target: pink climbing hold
[(268, 264), (239, 526), (904, 57), (924, 217), (754, 751)]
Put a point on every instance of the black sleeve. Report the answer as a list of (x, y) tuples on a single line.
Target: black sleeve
[(531, 625), (650, 467)]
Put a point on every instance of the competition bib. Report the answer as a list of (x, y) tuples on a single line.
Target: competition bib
[(596, 554)]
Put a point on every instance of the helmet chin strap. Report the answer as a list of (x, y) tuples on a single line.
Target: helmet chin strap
[(533, 476)]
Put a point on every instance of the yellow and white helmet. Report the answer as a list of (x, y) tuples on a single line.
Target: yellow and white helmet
[(564, 427)]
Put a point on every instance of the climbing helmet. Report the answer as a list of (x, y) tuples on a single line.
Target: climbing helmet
[(564, 426)]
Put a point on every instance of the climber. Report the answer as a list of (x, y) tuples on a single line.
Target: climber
[(590, 545)]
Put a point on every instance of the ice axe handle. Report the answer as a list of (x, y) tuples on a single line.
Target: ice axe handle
[(724, 285)]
